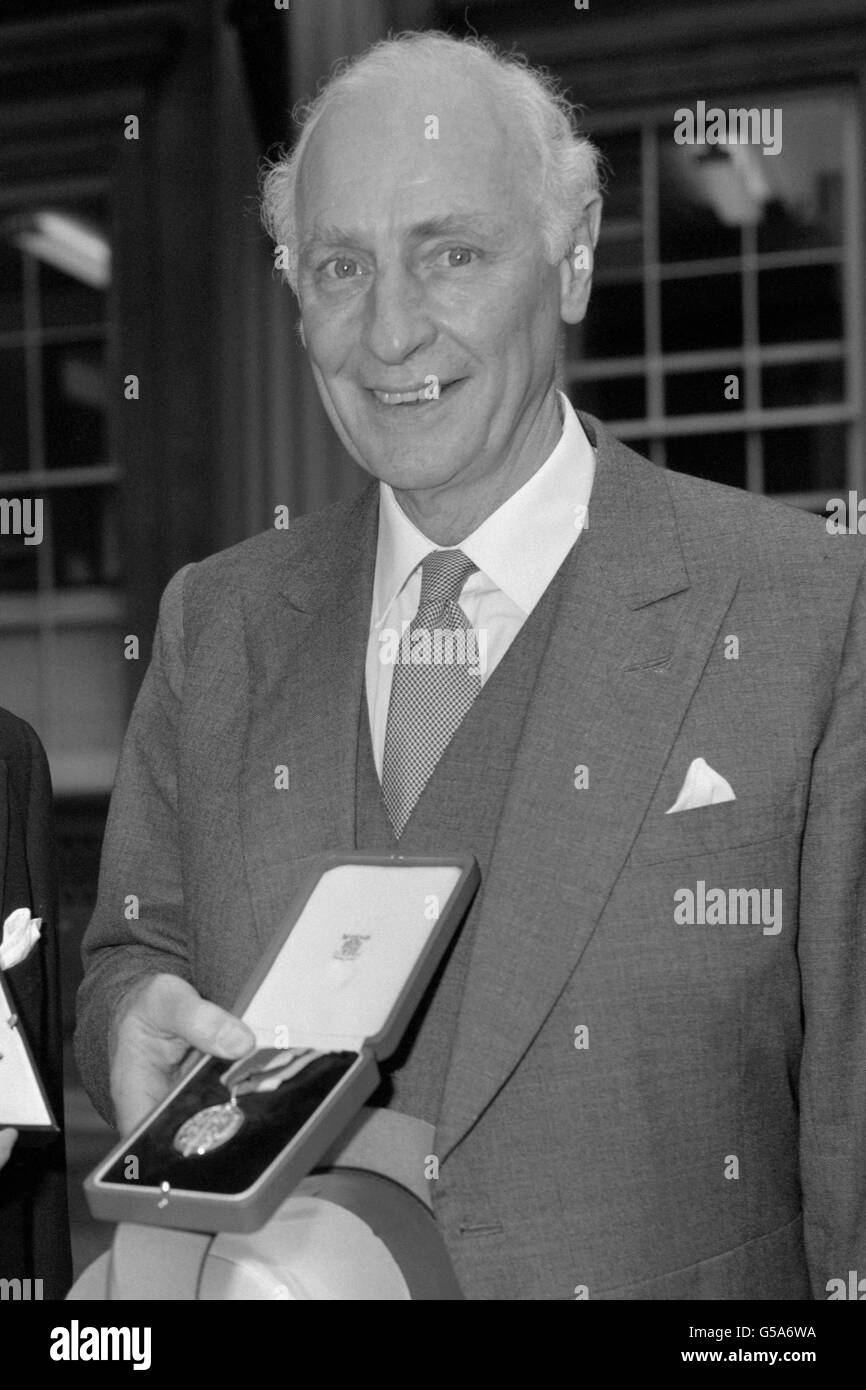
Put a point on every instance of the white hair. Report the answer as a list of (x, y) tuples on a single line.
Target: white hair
[(568, 164)]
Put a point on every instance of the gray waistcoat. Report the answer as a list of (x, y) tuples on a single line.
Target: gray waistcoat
[(458, 811)]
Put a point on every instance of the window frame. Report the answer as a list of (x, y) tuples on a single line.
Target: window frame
[(653, 365)]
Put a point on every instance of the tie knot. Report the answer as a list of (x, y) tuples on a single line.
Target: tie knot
[(443, 574)]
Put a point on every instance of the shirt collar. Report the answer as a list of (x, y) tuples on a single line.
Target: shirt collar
[(520, 546)]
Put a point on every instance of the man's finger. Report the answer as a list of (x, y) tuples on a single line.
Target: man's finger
[(7, 1143), (212, 1029), (174, 1008)]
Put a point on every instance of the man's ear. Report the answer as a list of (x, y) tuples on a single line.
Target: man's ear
[(575, 269)]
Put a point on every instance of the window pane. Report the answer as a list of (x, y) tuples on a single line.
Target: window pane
[(11, 292), (793, 197), (22, 527), (805, 180), (621, 240), (801, 304), (65, 300), (13, 410), (86, 544), (803, 383), (702, 393), (718, 457), (93, 714), (621, 150), (804, 458), (617, 252), (704, 312), (613, 326), (696, 199), (640, 446), (75, 424), (617, 398)]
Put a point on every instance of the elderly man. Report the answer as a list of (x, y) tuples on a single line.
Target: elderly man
[(645, 1057)]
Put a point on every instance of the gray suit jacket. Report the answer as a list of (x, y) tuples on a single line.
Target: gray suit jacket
[(635, 1108)]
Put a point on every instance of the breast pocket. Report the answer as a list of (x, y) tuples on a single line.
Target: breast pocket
[(714, 829)]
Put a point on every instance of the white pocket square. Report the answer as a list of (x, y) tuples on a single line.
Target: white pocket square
[(20, 934), (703, 787)]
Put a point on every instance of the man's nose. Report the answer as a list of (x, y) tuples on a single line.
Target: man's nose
[(397, 321)]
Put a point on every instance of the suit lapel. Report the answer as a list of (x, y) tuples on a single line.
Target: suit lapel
[(629, 642), (306, 631)]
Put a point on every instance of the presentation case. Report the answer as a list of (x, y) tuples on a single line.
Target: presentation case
[(330, 998), (23, 1102)]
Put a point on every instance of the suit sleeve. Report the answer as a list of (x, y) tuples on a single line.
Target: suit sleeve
[(832, 952), (138, 927)]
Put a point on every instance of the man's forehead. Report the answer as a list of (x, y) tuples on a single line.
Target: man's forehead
[(373, 135), (382, 106), (356, 176)]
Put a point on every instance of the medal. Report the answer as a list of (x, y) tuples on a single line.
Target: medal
[(263, 1069), (209, 1129)]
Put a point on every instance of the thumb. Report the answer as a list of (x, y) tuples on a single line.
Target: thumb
[(7, 1143), (204, 1025)]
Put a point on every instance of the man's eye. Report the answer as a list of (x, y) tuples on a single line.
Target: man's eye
[(341, 268), (456, 257)]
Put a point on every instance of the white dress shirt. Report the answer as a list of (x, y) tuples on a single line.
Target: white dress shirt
[(518, 550)]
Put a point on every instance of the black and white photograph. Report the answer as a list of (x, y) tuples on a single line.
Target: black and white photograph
[(433, 666)]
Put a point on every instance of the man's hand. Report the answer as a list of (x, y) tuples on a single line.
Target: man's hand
[(7, 1144), (153, 1027)]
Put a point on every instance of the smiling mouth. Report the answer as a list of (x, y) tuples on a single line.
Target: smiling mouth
[(422, 396)]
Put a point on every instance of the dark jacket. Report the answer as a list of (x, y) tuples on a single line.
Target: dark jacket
[(34, 1224)]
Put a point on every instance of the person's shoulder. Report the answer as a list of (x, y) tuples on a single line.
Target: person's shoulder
[(271, 553), (270, 559), (25, 759), (721, 510), (19, 742), (726, 526), (721, 527)]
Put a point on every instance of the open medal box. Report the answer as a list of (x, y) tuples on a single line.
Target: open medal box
[(23, 1102), (331, 996)]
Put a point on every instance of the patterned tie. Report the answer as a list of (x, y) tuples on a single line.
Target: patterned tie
[(436, 679)]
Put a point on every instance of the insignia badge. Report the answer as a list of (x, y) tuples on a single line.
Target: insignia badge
[(350, 946), (260, 1071), (208, 1129)]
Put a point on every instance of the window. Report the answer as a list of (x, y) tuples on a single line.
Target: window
[(723, 335), (61, 604)]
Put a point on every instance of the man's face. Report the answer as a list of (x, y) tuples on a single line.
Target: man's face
[(421, 265)]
